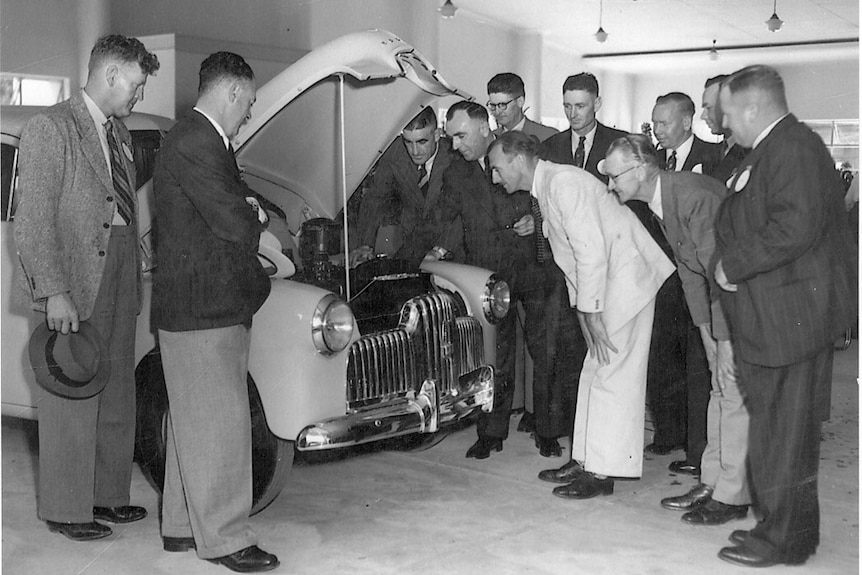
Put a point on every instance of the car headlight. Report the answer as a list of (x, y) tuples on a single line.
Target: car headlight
[(495, 299), (332, 325)]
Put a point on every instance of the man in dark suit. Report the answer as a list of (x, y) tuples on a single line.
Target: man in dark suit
[(498, 235), (680, 149), (783, 263), (731, 153), (206, 288), (506, 102), (584, 145), (410, 175), (76, 231)]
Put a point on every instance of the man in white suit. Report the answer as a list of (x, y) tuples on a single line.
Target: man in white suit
[(613, 271)]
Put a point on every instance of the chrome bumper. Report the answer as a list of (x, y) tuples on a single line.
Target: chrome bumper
[(423, 412)]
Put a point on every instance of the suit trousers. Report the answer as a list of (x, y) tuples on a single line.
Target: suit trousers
[(784, 453), (722, 466), (86, 445), (609, 423), (531, 296), (208, 468), (561, 357), (698, 393)]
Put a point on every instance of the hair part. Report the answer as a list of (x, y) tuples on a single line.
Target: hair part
[(515, 142), (716, 80), (682, 101), (583, 81), (223, 66), (472, 109), (760, 78), (122, 49), (423, 119), (506, 83), (638, 146)]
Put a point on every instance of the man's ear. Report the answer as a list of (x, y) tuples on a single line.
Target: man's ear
[(597, 104), (686, 123), (437, 133), (111, 73), (233, 92), (484, 128), (520, 101)]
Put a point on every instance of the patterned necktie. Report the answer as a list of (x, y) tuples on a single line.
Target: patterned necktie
[(670, 166), (579, 152), (541, 247), (122, 186)]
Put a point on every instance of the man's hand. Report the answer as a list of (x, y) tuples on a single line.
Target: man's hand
[(721, 278), (525, 226), (709, 345), (596, 335), (61, 313), (360, 255), (725, 365)]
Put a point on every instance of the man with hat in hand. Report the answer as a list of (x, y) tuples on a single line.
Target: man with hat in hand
[(77, 236)]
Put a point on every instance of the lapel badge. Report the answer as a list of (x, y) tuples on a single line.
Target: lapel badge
[(742, 179), (128, 152)]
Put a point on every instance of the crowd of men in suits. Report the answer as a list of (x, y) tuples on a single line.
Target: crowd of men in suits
[(669, 273)]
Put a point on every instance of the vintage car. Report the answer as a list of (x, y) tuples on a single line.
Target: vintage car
[(338, 357)]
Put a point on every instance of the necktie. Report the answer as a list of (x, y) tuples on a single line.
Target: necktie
[(670, 166), (541, 247), (122, 186), (423, 180), (579, 152)]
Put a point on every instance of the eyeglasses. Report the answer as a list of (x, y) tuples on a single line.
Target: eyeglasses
[(501, 106), (615, 177)]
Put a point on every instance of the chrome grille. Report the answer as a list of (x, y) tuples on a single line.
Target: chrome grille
[(430, 342)]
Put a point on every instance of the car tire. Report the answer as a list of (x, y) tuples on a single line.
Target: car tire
[(272, 457)]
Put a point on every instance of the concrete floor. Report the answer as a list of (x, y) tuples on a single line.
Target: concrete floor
[(381, 512)]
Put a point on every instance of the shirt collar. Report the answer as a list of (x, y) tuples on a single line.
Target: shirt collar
[(767, 130), (97, 114), (682, 151), (216, 126)]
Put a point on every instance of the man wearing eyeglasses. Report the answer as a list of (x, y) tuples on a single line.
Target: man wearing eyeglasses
[(613, 271), (584, 145), (506, 103)]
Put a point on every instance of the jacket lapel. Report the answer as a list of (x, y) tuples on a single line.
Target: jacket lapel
[(90, 142)]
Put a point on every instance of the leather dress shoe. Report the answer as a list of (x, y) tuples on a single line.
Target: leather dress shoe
[(738, 536), (178, 544), (715, 513), (698, 495), (80, 531), (527, 423), (484, 446), (661, 449), (565, 474), (684, 467), (548, 446), (742, 555), (123, 514), (249, 560), (585, 486)]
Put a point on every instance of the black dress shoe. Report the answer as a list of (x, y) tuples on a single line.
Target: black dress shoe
[(80, 531), (715, 513), (698, 495), (484, 446), (684, 467), (661, 449), (565, 474), (742, 555), (548, 446), (249, 560), (178, 544), (124, 514), (738, 537), (527, 423), (585, 486)]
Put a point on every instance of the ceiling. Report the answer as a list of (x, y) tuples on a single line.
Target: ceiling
[(667, 25)]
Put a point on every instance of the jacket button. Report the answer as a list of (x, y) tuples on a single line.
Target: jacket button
[(101, 253), (106, 225), (110, 198)]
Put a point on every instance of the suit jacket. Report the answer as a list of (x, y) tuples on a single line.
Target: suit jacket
[(206, 235), (63, 220), (610, 262), (558, 149), (689, 204), (531, 128), (397, 176), (705, 154), (487, 214), (782, 238)]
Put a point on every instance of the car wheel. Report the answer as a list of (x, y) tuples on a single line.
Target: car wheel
[(272, 457)]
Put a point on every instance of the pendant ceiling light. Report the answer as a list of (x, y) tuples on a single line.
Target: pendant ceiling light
[(713, 54), (600, 34), (447, 10), (774, 23)]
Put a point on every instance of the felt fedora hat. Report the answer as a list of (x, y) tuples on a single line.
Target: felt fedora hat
[(69, 365)]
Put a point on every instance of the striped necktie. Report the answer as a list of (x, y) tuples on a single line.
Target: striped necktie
[(542, 246), (670, 166), (122, 185)]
